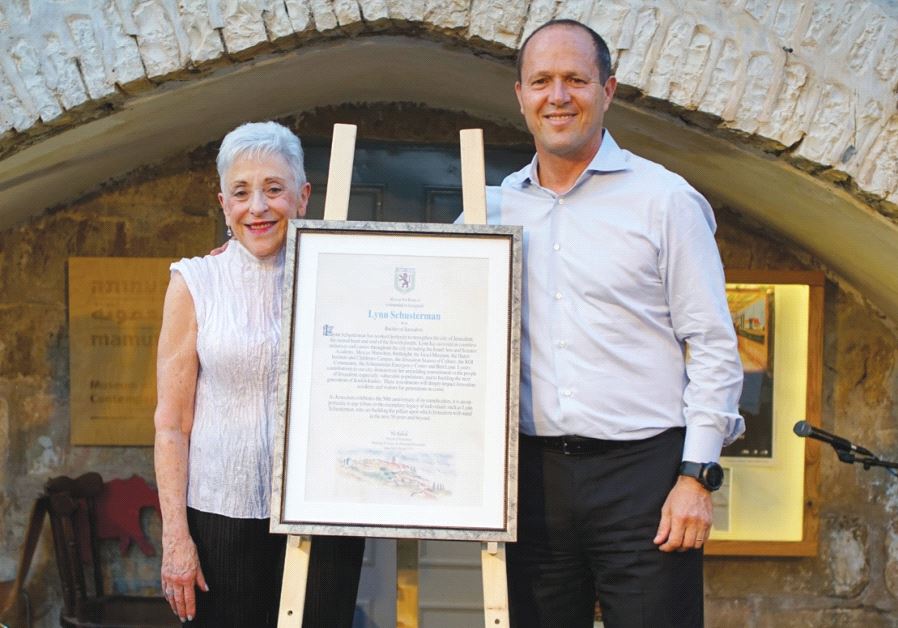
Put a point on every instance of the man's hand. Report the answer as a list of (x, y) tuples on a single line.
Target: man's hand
[(221, 249), (685, 517)]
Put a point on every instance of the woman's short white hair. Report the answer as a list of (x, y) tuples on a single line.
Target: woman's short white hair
[(258, 139)]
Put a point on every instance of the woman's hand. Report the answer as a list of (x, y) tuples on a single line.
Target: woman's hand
[(181, 572)]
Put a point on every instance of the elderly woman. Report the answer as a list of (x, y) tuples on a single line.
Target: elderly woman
[(217, 404)]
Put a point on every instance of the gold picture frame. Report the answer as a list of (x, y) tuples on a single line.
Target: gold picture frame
[(774, 498)]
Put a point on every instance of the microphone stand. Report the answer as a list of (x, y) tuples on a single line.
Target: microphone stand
[(849, 457)]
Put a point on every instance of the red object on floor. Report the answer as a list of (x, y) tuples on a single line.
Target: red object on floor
[(118, 512)]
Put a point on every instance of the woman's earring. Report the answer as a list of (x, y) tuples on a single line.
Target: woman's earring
[(230, 234)]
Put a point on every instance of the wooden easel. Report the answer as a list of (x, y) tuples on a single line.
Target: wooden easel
[(336, 207), (492, 554)]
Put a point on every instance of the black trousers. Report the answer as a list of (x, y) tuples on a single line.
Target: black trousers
[(585, 528), (244, 564)]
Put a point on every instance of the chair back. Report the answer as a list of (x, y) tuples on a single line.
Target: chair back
[(71, 504)]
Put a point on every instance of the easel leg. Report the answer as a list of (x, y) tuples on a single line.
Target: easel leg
[(296, 574), (495, 585), (406, 583)]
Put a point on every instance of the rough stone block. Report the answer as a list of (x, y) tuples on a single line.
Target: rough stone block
[(62, 74), (684, 86), (825, 138), (579, 10), (846, 20), (412, 10), (203, 36), (27, 65), (753, 103), (244, 27), (32, 336), (610, 20), (868, 124), (846, 550), (374, 10), (770, 578), (821, 618), (123, 57), (5, 122), (157, 39), (667, 63), (347, 12), (879, 173), (4, 452), (498, 21), (16, 113), (722, 83), (758, 9), (451, 14), (323, 14), (726, 612), (90, 57), (866, 43), (819, 25), (300, 14), (887, 63), (541, 11), (633, 63), (788, 118), (786, 18), (891, 569), (277, 22)]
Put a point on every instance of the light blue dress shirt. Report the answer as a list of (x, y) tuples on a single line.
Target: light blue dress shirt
[(622, 274)]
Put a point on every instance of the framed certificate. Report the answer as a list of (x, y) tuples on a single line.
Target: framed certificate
[(399, 375)]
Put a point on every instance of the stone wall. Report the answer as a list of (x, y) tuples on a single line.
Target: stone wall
[(815, 79), (161, 214), (852, 581), (170, 211)]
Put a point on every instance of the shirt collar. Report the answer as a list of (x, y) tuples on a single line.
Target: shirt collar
[(609, 158)]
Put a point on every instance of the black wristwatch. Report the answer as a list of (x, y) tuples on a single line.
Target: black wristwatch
[(709, 474)]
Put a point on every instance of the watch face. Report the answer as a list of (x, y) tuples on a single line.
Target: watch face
[(714, 476)]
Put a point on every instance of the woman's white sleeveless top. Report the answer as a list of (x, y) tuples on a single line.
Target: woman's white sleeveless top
[(237, 298)]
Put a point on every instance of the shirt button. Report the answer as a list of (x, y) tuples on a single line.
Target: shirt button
[(562, 344), (557, 296), (567, 393), (561, 201), (556, 246)]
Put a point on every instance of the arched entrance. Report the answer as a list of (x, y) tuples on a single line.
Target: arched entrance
[(811, 211)]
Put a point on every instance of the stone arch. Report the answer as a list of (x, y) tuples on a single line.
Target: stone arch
[(789, 107)]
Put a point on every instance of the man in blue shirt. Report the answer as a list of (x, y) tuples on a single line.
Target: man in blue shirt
[(630, 373)]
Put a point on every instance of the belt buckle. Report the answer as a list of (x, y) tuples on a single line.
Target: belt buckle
[(565, 446)]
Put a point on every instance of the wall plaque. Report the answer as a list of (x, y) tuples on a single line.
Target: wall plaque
[(115, 312)]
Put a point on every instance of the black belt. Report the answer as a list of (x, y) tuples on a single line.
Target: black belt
[(571, 444), (574, 445)]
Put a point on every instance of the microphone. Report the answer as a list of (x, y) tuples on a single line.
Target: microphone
[(805, 429)]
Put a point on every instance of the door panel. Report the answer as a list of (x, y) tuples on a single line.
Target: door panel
[(404, 182)]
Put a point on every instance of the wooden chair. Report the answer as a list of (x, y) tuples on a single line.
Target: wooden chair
[(71, 504)]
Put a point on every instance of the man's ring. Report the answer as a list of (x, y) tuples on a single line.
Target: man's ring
[(169, 592)]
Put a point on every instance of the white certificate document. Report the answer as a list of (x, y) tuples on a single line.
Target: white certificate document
[(398, 381)]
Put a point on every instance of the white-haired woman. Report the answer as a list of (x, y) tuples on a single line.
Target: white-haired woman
[(217, 403)]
